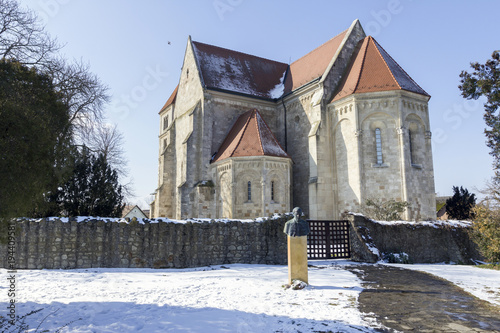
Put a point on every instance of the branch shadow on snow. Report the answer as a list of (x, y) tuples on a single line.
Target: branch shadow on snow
[(132, 317)]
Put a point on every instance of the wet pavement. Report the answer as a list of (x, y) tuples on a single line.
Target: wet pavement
[(411, 301)]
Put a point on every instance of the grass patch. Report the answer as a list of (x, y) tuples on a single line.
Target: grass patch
[(490, 266)]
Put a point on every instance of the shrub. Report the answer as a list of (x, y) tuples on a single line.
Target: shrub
[(385, 210), (486, 232), (397, 258)]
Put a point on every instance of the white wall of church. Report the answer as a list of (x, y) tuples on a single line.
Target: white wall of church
[(404, 171), (249, 187)]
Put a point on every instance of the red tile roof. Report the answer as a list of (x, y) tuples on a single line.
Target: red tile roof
[(238, 72), (250, 136), (313, 65), (373, 69), (171, 99)]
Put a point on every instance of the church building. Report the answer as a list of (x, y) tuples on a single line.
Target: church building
[(242, 136)]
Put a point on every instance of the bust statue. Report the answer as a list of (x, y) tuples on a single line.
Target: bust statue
[(296, 227)]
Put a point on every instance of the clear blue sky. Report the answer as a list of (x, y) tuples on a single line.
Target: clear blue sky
[(137, 49)]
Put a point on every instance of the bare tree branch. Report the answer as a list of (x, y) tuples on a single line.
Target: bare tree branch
[(82, 92), (22, 37), (106, 139)]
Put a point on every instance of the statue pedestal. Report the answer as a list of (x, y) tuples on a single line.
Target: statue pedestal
[(297, 259)]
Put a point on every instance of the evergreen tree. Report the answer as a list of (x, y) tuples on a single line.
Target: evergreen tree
[(460, 205), (35, 135), (485, 81), (92, 190)]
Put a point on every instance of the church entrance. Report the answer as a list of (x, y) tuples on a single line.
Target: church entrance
[(328, 240)]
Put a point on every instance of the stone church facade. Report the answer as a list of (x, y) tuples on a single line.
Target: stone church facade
[(243, 136)]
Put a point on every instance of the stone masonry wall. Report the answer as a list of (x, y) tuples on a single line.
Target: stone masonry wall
[(96, 243), (422, 242), (157, 244)]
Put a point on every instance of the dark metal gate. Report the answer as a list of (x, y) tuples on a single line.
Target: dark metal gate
[(328, 240)]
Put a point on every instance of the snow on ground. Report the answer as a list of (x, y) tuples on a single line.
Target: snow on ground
[(229, 298), (238, 298), (480, 282)]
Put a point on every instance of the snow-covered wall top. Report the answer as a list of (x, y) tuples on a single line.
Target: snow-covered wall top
[(86, 242), (423, 242), (80, 219)]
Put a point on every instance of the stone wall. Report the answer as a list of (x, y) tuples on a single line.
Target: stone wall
[(54, 244), (155, 244), (425, 242)]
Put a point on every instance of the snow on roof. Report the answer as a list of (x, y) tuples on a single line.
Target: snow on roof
[(238, 72), (278, 89)]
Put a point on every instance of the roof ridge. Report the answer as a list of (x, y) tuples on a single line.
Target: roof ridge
[(377, 45), (257, 113), (363, 58), (242, 134), (401, 68), (239, 52), (313, 50), (272, 135)]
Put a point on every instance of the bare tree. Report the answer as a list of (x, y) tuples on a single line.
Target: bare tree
[(22, 37), (108, 140), (83, 93)]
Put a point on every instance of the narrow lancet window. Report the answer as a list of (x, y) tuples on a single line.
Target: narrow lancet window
[(378, 145), (272, 191), (412, 153), (249, 191)]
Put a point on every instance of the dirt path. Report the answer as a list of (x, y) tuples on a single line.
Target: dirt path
[(412, 301)]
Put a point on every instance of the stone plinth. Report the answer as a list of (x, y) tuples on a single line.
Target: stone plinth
[(297, 259)]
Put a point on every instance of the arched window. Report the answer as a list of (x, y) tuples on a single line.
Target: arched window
[(249, 195), (412, 148), (378, 146), (272, 190), (165, 122)]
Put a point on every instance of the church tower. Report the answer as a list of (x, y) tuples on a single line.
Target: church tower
[(381, 135)]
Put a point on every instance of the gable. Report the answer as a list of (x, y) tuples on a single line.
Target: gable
[(232, 71), (372, 69)]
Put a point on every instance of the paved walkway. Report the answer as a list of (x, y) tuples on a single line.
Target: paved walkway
[(411, 301)]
